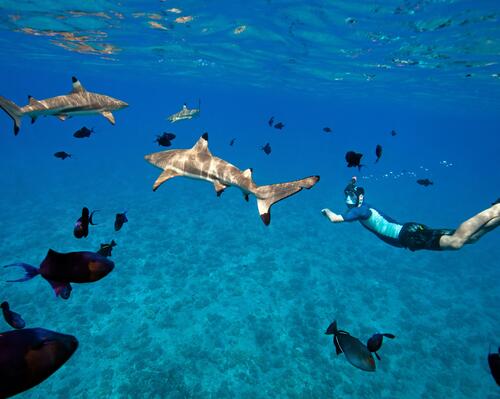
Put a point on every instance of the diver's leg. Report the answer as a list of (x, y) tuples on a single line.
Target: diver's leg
[(471, 230)]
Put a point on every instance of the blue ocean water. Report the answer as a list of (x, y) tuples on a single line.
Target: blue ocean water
[(205, 301)]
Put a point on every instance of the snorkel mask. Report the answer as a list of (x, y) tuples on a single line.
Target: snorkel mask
[(352, 193)]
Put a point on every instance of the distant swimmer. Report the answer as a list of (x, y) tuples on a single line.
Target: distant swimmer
[(279, 126), (106, 249), (327, 130), (185, 113), (494, 363), (375, 342), (425, 182), (413, 236), (78, 102), (266, 148), (83, 133), (120, 220), (81, 228), (30, 356), (378, 152), (13, 319), (353, 159), (61, 269), (199, 163), (165, 139), (231, 143), (270, 122), (354, 350), (62, 155)]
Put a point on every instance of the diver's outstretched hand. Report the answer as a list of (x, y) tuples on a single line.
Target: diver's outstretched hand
[(332, 216)]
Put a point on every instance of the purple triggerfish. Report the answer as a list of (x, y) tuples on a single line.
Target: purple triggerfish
[(81, 228), (30, 356), (61, 269), (13, 319)]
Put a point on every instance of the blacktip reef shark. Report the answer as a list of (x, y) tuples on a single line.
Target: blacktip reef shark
[(199, 163), (185, 113), (78, 102)]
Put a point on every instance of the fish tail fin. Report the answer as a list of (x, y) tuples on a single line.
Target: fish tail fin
[(269, 195), (13, 111), (31, 271), (332, 328), (91, 221)]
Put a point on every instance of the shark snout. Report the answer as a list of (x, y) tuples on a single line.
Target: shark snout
[(121, 104)]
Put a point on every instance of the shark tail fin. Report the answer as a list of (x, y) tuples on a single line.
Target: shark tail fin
[(269, 195), (13, 111)]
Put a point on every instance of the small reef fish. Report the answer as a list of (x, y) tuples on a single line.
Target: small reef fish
[(165, 139), (83, 132), (353, 159), (393, 133), (266, 148), (106, 249), (327, 129), (30, 356), (185, 113), (13, 319), (279, 126), (231, 143), (494, 363), (61, 269), (81, 228), (62, 155), (354, 350), (270, 121), (120, 220), (374, 343), (378, 152), (199, 163), (78, 102), (425, 182)]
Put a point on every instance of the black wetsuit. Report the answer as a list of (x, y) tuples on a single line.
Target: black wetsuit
[(413, 236)]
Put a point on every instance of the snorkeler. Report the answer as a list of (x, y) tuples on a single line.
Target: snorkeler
[(413, 236)]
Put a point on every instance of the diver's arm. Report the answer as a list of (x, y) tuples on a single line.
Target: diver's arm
[(333, 217)]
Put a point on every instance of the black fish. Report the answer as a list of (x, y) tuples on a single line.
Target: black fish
[(279, 126), (61, 269), (327, 130), (378, 152), (83, 132), (106, 249), (393, 133), (13, 319), (120, 219), (28, 357), (266, 148), (231, 143), (354, 350), (165, 139), (81, 228), (62, 155), (353, 159), (494, 363), (270, 121), (424, 182), (375, 342)]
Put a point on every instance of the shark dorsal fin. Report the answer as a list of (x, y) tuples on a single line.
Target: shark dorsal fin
[(32, 100), (77, 86), (248, 172), (202, 144)]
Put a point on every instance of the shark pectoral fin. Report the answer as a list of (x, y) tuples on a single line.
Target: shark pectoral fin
[(264, 205), (77, 86), (62, 117), (109, 116), (165, 175), (219, 188)]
